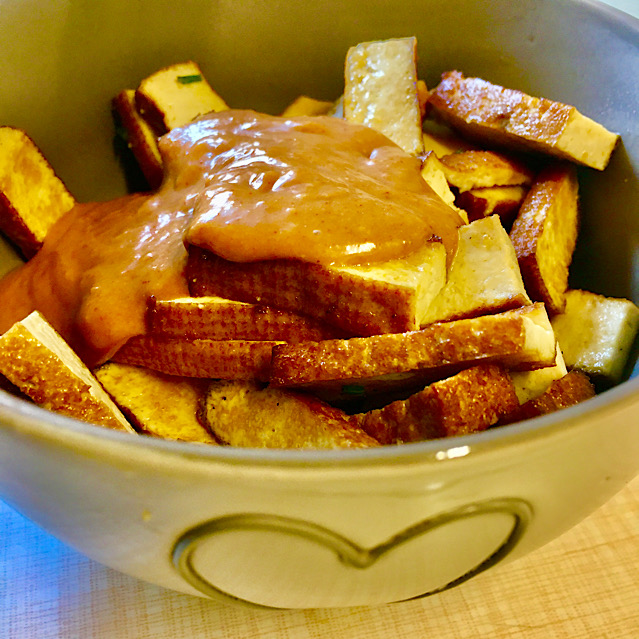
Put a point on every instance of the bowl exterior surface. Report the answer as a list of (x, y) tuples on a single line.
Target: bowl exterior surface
[(305, 534)]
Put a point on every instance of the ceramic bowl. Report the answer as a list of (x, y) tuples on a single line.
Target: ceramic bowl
[(320, 529)]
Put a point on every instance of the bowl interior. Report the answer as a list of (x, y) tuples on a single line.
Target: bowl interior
[(57, 83)]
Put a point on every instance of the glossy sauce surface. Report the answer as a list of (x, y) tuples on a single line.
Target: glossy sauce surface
[(244, 185), (317, 189), (98, 266)]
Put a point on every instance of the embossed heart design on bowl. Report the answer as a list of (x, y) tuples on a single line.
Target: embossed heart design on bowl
[(291, 560)]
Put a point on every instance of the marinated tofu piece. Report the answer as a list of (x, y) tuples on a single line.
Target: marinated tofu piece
[(469, 170), (244, 414), (484, 276), (305, 105), (358, 300), (571, 389), (32, 196), (469, 402), (159, 405), (41, 364), (596, 333), (211, 359), (217, 318), (544, 234), (504, 201), (531, 384), (381, 90), (175, 96), (491, 114), (433, 172), (140, 137), (520, 339)]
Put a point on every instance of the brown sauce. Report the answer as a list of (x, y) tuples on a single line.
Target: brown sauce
[(95, 272), (248, 187), (318, 189)]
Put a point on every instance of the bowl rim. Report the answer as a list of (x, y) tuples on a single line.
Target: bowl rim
[(70, 432), (21, 415)]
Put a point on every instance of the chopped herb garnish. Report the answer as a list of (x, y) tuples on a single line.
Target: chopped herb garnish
[(189, 79), (353, 389), (121, 132)]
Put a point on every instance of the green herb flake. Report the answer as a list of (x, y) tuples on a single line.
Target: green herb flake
[(122, 133), (353, 389), (189, 79)]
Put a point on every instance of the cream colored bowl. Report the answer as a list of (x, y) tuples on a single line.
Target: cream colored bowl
[(320, 529)]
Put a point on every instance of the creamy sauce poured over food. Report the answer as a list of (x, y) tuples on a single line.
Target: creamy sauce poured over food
[(244, 185)]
